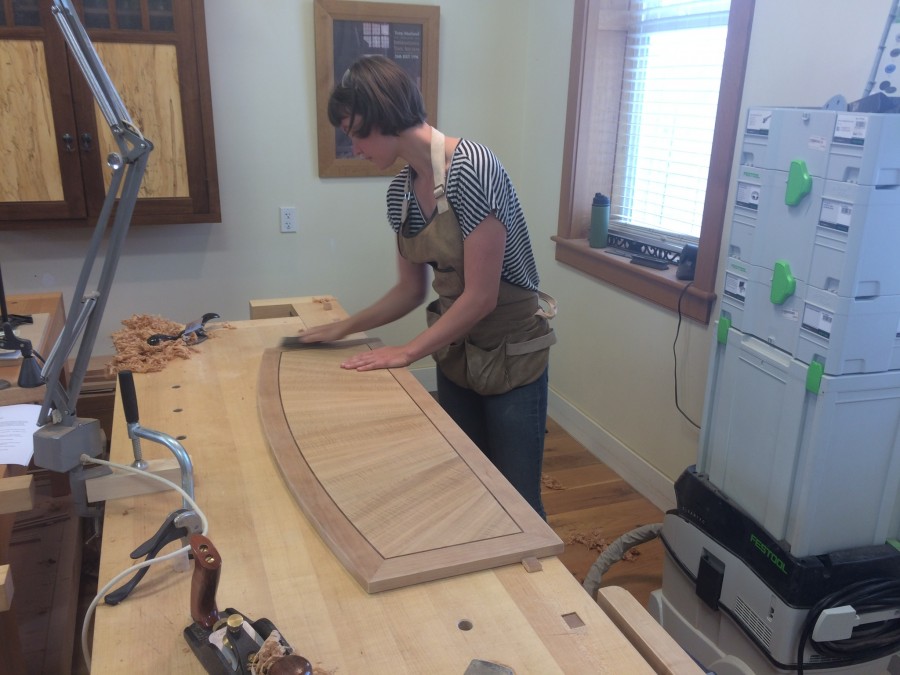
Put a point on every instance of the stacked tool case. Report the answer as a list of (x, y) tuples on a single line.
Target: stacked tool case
[(800, 442)]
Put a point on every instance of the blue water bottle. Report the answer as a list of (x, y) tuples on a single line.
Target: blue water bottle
[(599, 221)]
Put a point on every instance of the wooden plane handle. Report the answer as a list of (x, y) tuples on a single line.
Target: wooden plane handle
[(205, 581)]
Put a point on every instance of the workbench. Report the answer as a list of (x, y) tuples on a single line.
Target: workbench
[(275, 565)]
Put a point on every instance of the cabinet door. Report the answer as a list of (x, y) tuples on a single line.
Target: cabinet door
[(40, 169), (154, 51)]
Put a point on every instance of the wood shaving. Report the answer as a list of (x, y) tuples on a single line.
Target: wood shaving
[(592, 540), (134, 354), (271, 651), (325, 302), (595, 541), (551, 483)]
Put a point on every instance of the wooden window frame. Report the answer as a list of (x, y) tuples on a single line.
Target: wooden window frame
[(694, 299)]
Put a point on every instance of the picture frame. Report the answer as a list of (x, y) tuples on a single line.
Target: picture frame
[(346, 30)]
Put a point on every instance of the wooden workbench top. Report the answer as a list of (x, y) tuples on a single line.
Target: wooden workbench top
[(275, 565)]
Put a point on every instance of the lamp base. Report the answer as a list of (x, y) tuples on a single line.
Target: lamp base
[(59, 448)]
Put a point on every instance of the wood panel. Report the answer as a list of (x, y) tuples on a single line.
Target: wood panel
[(397, 491), (154, 104), (29, 166)]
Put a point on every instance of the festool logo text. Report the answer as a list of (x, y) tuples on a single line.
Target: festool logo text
[(751, 174), (769, 553)]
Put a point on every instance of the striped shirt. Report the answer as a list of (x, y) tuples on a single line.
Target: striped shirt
[(477, 186)]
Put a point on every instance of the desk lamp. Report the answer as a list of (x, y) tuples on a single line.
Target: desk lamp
[(62, 436), (9, 340)]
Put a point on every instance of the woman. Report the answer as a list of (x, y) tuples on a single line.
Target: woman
[(455, 210)]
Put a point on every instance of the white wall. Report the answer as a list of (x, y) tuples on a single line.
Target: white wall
[(503, 80)]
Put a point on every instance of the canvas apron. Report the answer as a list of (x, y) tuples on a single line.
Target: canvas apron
[(508, 348)]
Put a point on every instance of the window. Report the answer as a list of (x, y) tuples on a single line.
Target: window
[(659, 153), (673, 62)]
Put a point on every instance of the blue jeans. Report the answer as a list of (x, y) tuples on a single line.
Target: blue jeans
[(508, 428)]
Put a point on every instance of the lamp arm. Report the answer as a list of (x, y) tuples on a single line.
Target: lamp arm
[(86, 312), (58, 443), (105, 93)]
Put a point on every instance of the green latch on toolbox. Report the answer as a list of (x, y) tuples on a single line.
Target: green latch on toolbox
[(814, 376), (783, 283), (722, 330), (799, 183)]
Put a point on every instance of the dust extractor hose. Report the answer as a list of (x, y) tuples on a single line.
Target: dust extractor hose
[(614, 553)]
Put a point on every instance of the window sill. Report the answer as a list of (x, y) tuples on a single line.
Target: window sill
[(657, 286)]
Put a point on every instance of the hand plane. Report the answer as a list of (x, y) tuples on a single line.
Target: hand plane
[(229, 642), (195, 330)]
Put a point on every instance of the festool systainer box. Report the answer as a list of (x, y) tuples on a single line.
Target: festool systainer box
[(786, 231), (865, 149), (735, 289), (749, 188), (775, 137), (849, 335), (753, 308), (814, 458), (857, 241)]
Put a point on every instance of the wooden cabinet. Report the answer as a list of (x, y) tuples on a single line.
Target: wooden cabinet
[(53, 139)]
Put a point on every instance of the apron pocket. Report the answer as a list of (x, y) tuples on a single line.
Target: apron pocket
[(499, 370), (486, 370)]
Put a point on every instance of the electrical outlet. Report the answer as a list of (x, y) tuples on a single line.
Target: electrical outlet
[(288, 218)]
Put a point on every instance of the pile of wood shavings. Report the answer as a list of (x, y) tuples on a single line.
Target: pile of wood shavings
[(272, 651), (134, 354)]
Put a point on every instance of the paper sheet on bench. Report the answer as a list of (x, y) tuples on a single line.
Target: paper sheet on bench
[(17, 426)]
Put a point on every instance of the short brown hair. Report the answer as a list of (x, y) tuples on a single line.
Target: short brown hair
[(379, 93)]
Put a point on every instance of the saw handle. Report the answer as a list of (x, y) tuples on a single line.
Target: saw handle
[(129, 397), (205, 581)]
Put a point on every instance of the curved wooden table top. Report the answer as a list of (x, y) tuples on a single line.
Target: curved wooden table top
[(393, 486)]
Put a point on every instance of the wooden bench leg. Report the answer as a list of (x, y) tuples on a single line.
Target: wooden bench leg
[(13, 659)]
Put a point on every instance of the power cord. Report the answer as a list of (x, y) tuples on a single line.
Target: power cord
[(146, 563), (869, 641), (675, 354)]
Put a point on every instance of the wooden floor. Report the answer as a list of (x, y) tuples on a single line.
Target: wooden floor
[(588, 505)]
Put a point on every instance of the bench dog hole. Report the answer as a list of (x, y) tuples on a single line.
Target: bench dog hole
[(573, 620)]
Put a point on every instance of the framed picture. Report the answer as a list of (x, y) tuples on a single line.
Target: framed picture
[(407, 34)]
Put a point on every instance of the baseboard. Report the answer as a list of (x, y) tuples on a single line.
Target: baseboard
[(640, 475)]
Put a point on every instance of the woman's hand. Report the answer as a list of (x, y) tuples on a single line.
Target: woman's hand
[(328, 332), (375, 359)]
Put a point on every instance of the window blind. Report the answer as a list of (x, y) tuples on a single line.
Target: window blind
[(670, 89)]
